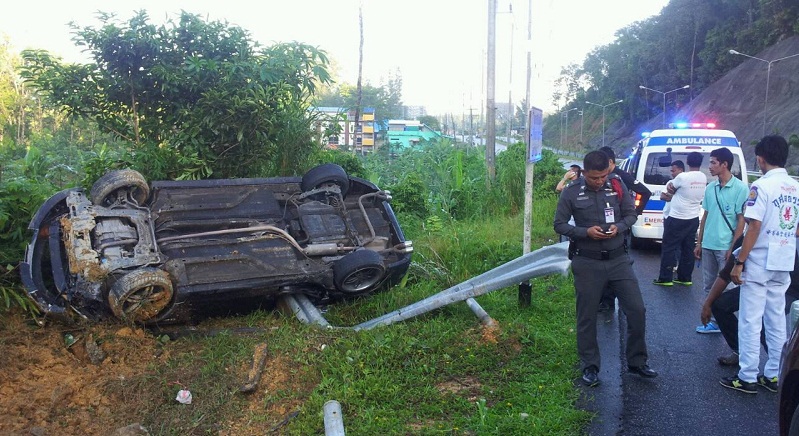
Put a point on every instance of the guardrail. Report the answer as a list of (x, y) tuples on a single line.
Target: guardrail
[(544, 261)]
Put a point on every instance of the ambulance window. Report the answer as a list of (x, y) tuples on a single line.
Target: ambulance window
[(658, 167), (736, 168)]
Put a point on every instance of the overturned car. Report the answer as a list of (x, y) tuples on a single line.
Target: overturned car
[(174, 251)]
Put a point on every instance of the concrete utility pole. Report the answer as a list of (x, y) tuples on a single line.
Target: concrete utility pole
[(491, 109), (359, 91), (529, 166), (511, 112), (471, 126), (525, 289)]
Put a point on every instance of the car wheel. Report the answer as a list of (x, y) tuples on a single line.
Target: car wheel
[(108, 189), (141, 295), (326, 174), (358, 272)]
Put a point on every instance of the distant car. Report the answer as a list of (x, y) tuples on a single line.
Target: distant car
[(177, 250), (789, 379)]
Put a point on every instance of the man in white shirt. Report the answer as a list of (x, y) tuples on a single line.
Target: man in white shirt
[(677, 168), (679, 229), (763, 266)]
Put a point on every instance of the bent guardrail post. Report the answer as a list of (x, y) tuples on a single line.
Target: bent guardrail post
[(305, 311), (334, 422), (478, 310), (544, 261), (547, 260)]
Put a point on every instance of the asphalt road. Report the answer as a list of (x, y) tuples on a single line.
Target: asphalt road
[(686, 398)]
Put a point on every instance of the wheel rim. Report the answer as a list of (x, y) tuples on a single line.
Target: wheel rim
[(132, 193), (145, 302), (362, 279)]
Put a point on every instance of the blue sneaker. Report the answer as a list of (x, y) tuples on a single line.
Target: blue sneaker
[(710, 327)]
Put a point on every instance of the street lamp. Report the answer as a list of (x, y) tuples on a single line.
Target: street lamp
[(567, 124), (603, 115), (768, 75), (664, 98), (582, 118)]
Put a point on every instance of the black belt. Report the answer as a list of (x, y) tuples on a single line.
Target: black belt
[(601, 255)]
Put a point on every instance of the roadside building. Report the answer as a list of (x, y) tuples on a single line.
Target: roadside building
[(336, 129), (409, 133)]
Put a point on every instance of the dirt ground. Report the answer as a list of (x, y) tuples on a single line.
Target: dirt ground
[(53, 381), (49, 387), (46, 386)]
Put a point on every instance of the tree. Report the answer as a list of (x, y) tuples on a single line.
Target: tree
[(687, 43), (430, 121), (191, 98), (386, 98)]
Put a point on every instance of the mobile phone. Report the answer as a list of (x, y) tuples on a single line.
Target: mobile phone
[(608, 232)]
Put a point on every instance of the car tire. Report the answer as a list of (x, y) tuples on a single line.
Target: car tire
[(141, 295), (326, 174), (359, 272), (107, 189)]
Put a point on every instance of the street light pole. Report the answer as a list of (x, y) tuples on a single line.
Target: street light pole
[(567, 124), (582, 118), (664, 98), (768, 75), (603, 115)]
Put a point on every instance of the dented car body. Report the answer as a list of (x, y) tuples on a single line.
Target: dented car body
[(174, 251)]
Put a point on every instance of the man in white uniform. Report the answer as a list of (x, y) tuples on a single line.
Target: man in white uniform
[(679, 229), (763, 265)]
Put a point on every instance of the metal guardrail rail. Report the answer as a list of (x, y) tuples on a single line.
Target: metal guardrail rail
[(544, 261)]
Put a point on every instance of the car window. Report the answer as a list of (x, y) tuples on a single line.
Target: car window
[(658, 166)]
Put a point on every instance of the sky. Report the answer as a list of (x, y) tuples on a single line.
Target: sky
[(437, 46)]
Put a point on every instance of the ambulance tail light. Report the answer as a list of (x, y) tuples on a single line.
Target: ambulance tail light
[(637, 200)]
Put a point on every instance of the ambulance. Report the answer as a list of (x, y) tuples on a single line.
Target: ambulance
[(650, 162)]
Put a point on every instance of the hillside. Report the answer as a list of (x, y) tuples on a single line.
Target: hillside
[(735, 102)]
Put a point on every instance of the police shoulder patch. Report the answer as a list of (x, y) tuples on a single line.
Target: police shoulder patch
[(572, 183), (750, 201)]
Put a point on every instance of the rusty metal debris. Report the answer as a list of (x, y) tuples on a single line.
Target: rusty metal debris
[(257, 368)]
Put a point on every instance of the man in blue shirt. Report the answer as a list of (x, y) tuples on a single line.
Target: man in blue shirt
[(722, 222)]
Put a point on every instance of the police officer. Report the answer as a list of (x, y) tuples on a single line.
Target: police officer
[(602, 213), (607, 303)]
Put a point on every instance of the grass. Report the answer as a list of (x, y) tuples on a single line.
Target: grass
[(439, 373)]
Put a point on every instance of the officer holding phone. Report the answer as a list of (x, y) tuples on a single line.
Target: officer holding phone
[(602, 212)]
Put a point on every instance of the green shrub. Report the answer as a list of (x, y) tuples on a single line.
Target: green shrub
[(22, 196), (410, 196), (350, 162)]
